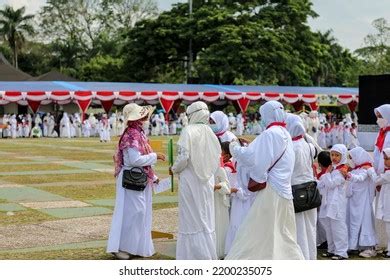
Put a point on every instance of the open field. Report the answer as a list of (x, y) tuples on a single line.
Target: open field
[(57, 198)]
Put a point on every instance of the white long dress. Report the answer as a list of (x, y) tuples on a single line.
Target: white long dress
[(65, 127), (132, 219), (335, 213), (222, 204), (379, 168), (269, 231), (196, 231), (306, 221), (240, 202), (360, 216)]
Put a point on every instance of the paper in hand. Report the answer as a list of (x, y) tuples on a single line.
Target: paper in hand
[(163, 185)]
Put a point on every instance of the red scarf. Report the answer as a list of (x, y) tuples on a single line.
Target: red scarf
[(297, 138), (282, 124), (322, 172), (380, 141), (362, 165), (340, 166), (231, 166)]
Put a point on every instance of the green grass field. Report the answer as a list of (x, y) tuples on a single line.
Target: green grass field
[(69, 170)]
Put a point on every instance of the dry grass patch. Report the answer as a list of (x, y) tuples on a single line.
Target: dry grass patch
[(38, 179), (29, 216), (34, 167), (88, 192)]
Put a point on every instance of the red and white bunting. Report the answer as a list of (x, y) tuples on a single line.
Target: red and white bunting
[(170, 95), (268, 96), (190, 95), (127, 96), (13, 96), (211, 96), (61, 96), (291, 97), (234, 95), (105, 95), (83, 95), (254, 96), (36, 96), (154, 97), (309, 98), (149, 95), (345, 99)]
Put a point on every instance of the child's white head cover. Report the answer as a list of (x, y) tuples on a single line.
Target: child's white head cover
[(341, 149), (360, 156)]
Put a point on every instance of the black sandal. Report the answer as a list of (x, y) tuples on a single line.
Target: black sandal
[(338, 258), (327, 255)]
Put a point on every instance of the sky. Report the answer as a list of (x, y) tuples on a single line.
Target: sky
[(350, 20)]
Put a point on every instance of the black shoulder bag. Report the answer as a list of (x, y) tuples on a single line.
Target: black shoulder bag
[(134, 179), (306, 196)]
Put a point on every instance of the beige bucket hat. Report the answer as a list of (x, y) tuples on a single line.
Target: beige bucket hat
[(134, 112)]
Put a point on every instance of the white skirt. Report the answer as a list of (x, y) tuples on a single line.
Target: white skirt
[(131, 228), (268, 231)]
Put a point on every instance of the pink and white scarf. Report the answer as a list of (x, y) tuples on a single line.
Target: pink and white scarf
[(133, 137)]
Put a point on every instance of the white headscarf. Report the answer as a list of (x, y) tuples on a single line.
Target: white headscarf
[(272, 111), (340, 148), (221, 120), (360, 156), (200, 141), (295, 125), (384, 110)]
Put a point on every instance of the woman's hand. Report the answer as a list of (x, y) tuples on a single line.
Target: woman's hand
[(160, 156), (170, 171), (233, 190), (217, 187), (243, 141)]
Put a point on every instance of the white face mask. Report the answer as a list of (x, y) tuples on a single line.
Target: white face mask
[(381, 122)]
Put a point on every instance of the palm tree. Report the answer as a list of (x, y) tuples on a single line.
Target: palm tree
[(14, 25)]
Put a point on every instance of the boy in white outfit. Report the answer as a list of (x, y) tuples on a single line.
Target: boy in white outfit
[(335, 213)]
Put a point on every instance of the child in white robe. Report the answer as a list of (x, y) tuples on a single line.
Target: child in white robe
[(221, 204), (360, 195), (335, 213), (241, 198), (324, 162), (383, 205)]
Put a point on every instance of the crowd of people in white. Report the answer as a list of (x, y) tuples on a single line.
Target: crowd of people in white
[(326, 130), (221, 217)]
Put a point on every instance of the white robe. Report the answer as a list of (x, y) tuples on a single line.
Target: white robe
[(196, 164), (132, 219), (269, 230), (335, 213), (360, 216), (65, 127), (222, 204), (379, 168), (306, 221), (196, 233), (241, 202)]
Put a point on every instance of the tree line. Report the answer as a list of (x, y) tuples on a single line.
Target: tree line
[(232, 42)]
